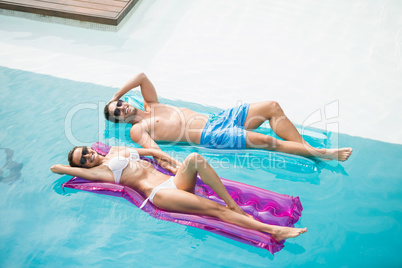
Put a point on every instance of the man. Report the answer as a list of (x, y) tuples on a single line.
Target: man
[(232, 128)]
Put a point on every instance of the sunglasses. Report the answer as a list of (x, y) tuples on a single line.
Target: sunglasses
[(117, 111), (83, 160)]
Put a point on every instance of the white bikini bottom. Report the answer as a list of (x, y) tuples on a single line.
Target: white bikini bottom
[(169, 184)]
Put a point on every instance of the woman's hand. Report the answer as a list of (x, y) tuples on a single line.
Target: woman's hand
[(168, 165), (163, 159), (57, 169), (171, 168)]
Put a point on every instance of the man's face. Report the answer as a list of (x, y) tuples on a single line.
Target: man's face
[(85, 157), (122, 111)]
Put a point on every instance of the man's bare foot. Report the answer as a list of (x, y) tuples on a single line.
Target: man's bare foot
[(341, 154), (283, 233)]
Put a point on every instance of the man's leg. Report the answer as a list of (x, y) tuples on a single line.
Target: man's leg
[(261, 141), (259, 112), (280, 124)]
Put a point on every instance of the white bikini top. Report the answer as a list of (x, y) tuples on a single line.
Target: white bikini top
[(118, 163)]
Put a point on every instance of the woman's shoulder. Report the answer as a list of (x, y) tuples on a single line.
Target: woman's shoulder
[(119, 151), (115, 149)]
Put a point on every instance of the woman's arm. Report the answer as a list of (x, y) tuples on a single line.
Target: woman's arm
[(92, 174), (164, 160), (158, 154)]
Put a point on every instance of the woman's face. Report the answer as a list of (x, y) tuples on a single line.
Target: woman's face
[(85, 157)]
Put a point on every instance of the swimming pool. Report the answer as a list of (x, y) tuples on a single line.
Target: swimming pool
[(352, 210), (300, 53)]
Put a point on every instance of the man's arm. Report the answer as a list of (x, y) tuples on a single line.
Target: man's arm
[(142, 137), (139, 135), (147, 89)]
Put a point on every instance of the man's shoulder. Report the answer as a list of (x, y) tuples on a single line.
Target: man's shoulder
[(139, 126), (137, 131)]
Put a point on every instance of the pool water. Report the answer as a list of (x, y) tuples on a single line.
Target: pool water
[(352, 210)]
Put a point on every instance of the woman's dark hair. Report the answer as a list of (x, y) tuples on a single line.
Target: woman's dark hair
[(70, 157), (107, 115)]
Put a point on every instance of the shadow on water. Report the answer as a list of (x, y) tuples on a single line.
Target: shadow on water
[(10, 170), (294, 248), (201, 235), (333, 166), (57, 186)]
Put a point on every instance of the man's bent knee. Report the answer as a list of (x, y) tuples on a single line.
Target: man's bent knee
[(274, 106)]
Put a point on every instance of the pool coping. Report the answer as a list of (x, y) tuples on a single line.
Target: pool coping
[(106, 12)]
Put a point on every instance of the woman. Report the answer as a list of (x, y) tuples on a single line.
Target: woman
[(123, 165)]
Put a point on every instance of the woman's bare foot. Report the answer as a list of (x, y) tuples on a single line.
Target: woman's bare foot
[(341, 154), (283, 233)]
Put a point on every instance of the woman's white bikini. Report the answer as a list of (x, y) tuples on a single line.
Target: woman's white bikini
[(118, 163)]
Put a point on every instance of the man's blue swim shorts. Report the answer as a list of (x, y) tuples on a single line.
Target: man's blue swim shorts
[(225, 130)]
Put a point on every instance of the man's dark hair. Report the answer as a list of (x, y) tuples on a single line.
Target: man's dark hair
[(107, 115), (70, 157)]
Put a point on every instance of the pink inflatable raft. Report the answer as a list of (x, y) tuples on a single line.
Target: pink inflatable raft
[(264, 205)]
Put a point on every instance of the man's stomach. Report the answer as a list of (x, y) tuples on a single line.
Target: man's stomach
[(189, 131)]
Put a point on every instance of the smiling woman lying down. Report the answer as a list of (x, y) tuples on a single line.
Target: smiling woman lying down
[(124, 166)]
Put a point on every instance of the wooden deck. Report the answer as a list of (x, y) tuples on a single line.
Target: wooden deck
[(109, 12)]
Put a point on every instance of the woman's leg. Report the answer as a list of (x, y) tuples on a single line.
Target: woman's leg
[(186, 176), (261, 141), (185, 202)]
